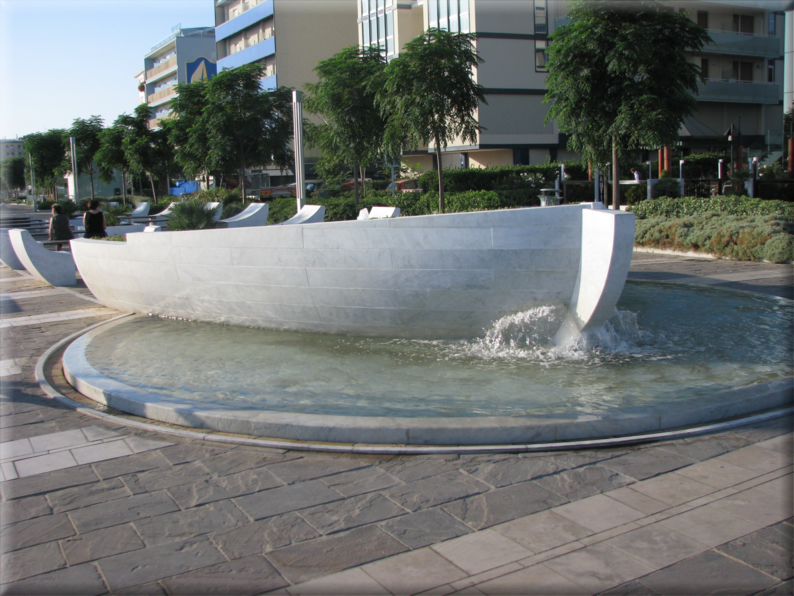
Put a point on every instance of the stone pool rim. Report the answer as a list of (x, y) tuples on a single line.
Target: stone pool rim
[(415, 432)]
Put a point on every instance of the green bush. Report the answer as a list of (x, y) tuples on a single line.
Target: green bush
[(282, 210), (635, 193), (46, 205), (728, 205), (216, 195), (775, 191), (112, 214), (704, 165), (158, 207), (113, 238), (666, 187), (192, 215), (232, 209), (739, 237)]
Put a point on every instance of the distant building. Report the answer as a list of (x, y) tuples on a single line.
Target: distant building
[(11, 148), (743, 70), (186, 56), (308, 32), (289, 38)]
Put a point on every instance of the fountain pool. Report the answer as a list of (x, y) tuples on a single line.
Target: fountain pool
[(670, 356)]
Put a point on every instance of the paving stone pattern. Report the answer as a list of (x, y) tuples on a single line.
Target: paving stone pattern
[(696, 516)]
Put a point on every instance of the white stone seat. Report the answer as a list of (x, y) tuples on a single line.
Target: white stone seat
[(54, 268), (253, 215), (384, 212), (218, 213), (140, 212), (7, 254), (162, 217), (363, 215), (308, 214)]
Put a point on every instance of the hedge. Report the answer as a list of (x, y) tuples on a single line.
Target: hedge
[(726, 205), (739, 237)]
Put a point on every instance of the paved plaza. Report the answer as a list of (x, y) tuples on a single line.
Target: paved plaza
[(93, 507)]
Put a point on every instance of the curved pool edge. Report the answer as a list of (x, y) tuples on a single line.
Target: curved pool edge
[(470, 431), (342, 448)]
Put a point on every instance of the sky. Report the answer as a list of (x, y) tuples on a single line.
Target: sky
[(67, 59)]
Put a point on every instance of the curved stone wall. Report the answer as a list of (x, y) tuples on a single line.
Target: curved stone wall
[(421, 277)]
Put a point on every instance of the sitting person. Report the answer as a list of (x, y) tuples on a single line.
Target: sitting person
[(94, 221), (59, 226)]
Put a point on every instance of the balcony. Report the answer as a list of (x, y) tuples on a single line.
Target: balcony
[(256, 52), (742, 44), (245, 20), (162, 95), (739, 92), (269, 83), (161, 68)]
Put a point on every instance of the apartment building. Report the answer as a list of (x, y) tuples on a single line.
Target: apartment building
[(743, 67), (11, 148), (308, 31), (185, 56)]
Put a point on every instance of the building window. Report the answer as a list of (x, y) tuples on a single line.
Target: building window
[(704, 68), (433, 14), (520, 157), (703, 19), (743, 23), (389, 34), (772, 25), (541, 22), (464, 16), (743, 71), (770, 71), (365, 33), (454, 11), (541, 58), (443, 15)]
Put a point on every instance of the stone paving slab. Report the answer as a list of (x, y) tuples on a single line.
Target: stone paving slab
[(177, 515)]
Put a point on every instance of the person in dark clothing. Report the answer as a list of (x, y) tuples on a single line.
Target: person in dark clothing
[(94, 221), (59, 226)]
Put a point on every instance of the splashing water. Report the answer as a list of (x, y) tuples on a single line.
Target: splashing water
[(529, 337)]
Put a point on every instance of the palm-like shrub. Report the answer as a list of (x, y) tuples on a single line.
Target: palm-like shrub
[(112, 214), (192, 215)]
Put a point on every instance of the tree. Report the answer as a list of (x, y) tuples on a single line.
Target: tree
[(352, 129), (111, 156), (46, 151), (619, 78), (86, 140), (244, 124), (187, 131), (429, 94), (12, 173), (137, 143)]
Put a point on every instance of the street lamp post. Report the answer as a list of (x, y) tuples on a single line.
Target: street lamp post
[(297, 123)]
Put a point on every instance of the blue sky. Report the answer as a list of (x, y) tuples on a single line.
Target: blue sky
[(67, 59)]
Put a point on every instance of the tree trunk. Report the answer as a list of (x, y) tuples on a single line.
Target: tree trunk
[(154, 193), (441, 204), (363, 171), (242, 181), (355, 186), (91, 177), (123, 188), (615, 176)]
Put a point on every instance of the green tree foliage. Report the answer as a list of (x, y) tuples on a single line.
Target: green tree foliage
[(111, 156), (352, 128), (12, 173), (86, 139), (429, 94), (187, 130), (244, 124), (619, 78), (143, 148), (46, 151)]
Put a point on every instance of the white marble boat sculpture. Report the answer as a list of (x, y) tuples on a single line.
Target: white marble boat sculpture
[(434, 276)]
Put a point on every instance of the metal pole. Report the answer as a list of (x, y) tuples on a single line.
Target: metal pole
[(75, 172), (650, 175), (32, 176), (297, 120)]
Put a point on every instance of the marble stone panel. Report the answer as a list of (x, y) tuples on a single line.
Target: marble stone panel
[(416, 238), (547, 237)]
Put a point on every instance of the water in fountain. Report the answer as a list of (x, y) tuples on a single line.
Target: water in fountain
[(663, 345)]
